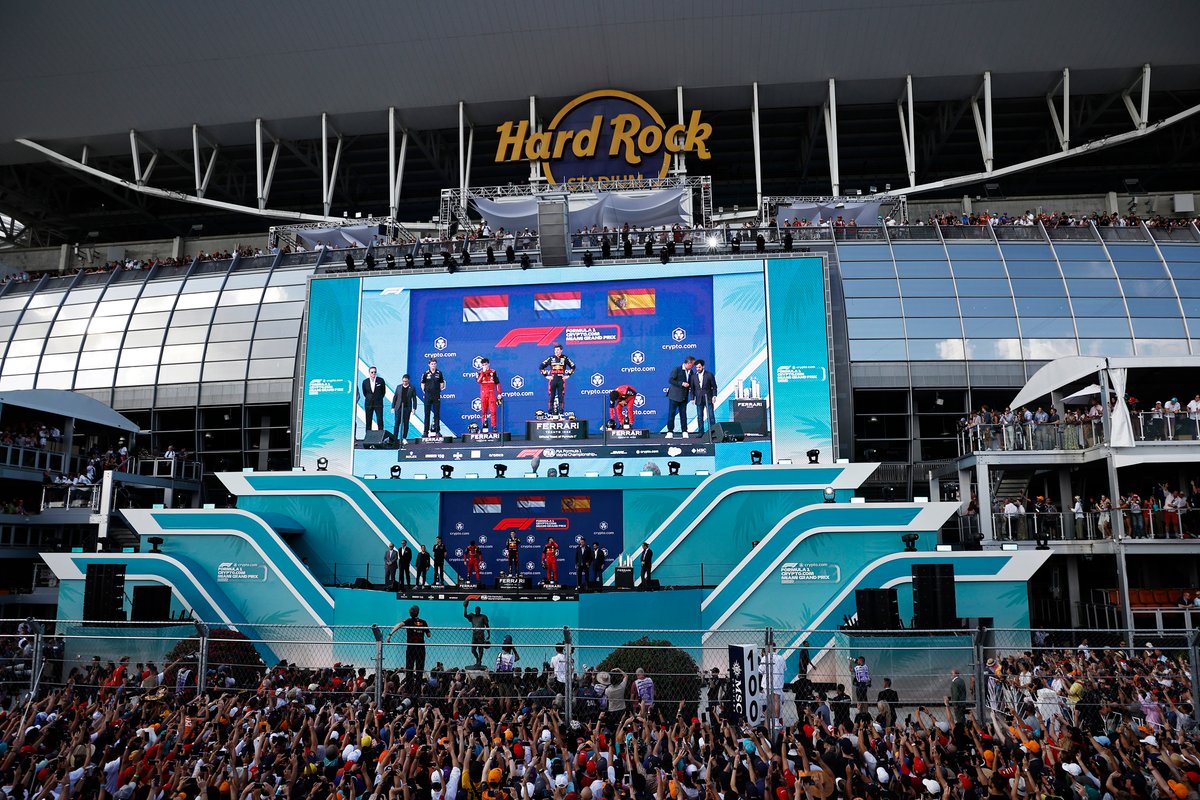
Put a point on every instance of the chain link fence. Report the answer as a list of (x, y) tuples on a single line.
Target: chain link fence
[(592, 671)]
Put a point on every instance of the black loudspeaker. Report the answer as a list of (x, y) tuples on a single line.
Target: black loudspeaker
[(934, 605), (104, 593), (379, 440), (150, 604), (878, 609), (728, 432)]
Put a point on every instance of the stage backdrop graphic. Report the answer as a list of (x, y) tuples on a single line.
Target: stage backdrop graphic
[(801, 409), (616, 332), (487, 517)]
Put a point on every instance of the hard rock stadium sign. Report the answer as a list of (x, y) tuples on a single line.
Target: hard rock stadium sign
[(603, 136)]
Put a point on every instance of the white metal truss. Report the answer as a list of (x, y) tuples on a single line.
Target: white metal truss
[(198, 136), (395, 168), (680, 165), (264, 181), (908, 131), (328, 176), (983, 123), (1140, 115), (286, 234), (1062, 125), (136, 143), (166, 194), (829, 111)]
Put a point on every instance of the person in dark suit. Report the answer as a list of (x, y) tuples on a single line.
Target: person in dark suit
[(679, 388), (404, 402), (373, 389), (405, 564), (439, 561), (647, 563), (390, 558), (704, 391), (432, 384), (597, 565), (422, 566), (583, 564)]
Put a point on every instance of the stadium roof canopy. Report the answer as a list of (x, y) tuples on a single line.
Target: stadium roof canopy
[(78, 74)]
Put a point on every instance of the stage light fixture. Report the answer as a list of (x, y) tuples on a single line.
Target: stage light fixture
[(491, 255), (322, 464), (395, 471), (687, 247), (539, 414), (606, 249), (618, 469), (673, 467), (428, 259), (1043, 544), (830, 495), (712, 243), (466, 257), (756, 457), (408, 261), (571, 416), (588, 260), (473, 427), (155, 543), (735, 246), (760, 243), (447, 470), (510, 255), (525, 262), (628, 247), (564, 469), (787, 242), (501, 470), (552, 473), (910, 542), (664, 257), (814, 456)]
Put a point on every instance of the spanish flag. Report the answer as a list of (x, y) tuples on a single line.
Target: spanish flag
[(626, 302), (579, 503)]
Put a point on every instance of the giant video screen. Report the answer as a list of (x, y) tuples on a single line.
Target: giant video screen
[(617, 326)]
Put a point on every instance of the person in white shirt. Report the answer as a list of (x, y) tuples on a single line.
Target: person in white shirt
[(558, 663), (1193, 412), (1011, 512)]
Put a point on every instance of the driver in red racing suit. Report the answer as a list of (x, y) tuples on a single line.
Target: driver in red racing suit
[(620, 405), (489, 393)]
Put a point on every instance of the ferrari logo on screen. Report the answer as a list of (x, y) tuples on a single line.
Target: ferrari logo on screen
[(600, 137)]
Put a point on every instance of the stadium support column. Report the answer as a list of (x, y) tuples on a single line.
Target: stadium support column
[(1062, 126), (264, 181), (1116, 520), (395, 168), (983, 491), (757, 151), (328, 175), (535, 167), (908, 130), (831, 138), (680, 159), (983, 125), (462, 155)]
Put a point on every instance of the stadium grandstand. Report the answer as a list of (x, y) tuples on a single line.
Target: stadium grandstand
[(600, 402)]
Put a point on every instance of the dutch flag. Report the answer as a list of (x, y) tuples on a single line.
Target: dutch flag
[(485, 308), (558, 304)]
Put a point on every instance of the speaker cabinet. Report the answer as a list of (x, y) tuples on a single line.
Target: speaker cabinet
[(378, 440), (728, 432), (151, 604), (104, 593), (934, 604), (878, 609)]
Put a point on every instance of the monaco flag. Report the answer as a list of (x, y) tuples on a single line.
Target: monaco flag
[(558, 304), (486, 505), (485, 308)]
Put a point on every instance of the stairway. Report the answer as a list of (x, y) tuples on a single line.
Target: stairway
[(1011, 483)]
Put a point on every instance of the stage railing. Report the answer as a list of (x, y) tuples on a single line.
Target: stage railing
[(586, 671)]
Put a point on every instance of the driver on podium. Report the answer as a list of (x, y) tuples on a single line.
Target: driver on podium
[(620, 405), (557, 368), (489, 393)]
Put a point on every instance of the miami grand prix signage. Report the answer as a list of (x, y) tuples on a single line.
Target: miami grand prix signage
[(602, 137)]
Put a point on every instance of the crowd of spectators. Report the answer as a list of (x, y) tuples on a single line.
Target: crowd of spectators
[(20, 276), (30, 435), (1056, 219), (1085, 723)]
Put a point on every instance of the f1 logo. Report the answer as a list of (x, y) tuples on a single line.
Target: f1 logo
[(542, 336)]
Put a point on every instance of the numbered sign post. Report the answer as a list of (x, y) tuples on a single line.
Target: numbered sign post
[(749, 695)]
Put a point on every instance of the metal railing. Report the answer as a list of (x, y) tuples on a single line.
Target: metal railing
[(1160, 426), (176, 468), (71, 497), (1031, 436), (1052, 526)]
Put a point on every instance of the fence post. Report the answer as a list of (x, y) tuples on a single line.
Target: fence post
[(769, 662), (378, 665), (1194, 655), (201, 656), (980, 671), (568, 691), (39, 656)]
